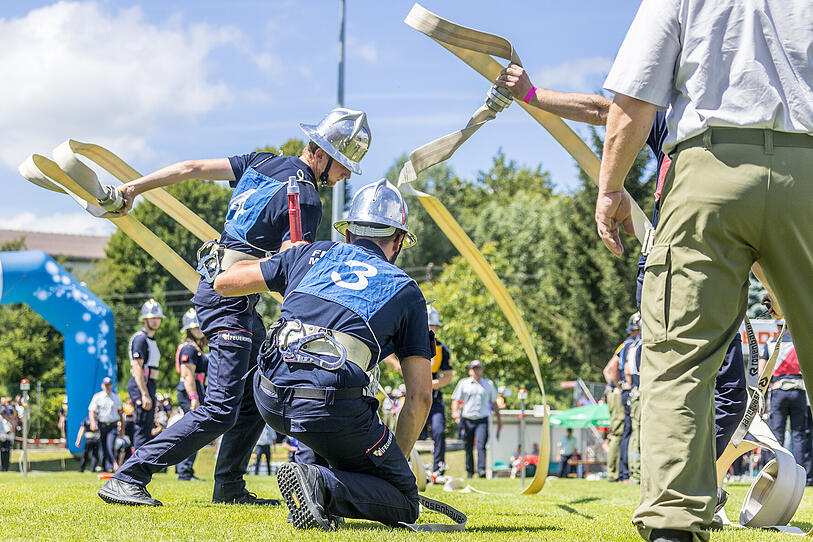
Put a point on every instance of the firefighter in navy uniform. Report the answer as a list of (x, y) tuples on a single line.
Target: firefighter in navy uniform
[(346, 308), (256, 226), (442, 375), (191, 364), (144, 358)]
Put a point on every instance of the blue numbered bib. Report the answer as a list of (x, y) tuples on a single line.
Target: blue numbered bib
[(355, 279), (250, 198)]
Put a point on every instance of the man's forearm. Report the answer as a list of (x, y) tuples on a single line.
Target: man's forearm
[(629, 121), (218, 169), (189, 384), (589, 108), (137, 370), (410, 422)]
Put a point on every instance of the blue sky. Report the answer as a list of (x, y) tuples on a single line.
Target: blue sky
[(162, 81)]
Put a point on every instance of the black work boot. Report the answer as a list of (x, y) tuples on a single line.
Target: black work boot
[(722, 498), (247, 497), (119, 492), (303, 491), (670, 535)]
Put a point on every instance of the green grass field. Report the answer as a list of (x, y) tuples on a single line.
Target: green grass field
[(51, 505)]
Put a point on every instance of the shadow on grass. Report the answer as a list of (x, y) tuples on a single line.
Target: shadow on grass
[(584, 500), (369, 526)]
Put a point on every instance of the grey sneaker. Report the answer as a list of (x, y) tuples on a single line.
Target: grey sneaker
[(303, 491)]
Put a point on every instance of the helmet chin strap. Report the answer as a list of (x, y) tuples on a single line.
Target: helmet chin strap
[(323, 176)]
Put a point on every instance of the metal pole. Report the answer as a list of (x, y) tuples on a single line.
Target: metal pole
[(39, 408), (24, 387), (337, 206), (522, 394)]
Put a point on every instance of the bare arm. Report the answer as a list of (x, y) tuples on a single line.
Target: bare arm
[(393, 362), (92, 419), (629, 121), (418, 400), (137, 370), (444, 380), (79, 435), (188, 379), (456, 410), (242, 278), (217, 169), (589, 108), (611, 370)]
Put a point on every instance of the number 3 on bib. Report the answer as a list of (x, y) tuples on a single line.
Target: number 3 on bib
[(361, 274)]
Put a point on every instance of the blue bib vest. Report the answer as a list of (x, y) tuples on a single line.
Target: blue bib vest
[(250, 197)]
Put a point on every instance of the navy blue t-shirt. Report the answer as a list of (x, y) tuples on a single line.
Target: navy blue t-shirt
[(350, 288), (257, 219)]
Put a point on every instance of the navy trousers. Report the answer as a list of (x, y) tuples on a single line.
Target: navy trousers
[(235, 333), (184, 469), (368, 476), (436, 425), (107, 438), (144, 418), (476, 429), (623, 454), (306, 456), (790, 404)]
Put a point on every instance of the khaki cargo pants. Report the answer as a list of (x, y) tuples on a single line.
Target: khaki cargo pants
[(731, 197), (616, 408)]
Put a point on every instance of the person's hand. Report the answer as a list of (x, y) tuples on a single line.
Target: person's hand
[(128, 193), (773, 308), (612, 208), (456, 418), (515, 80), (146, 402), (195, 403), (78, 441), (94, 426)]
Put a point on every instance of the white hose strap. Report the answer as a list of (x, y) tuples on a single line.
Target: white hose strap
[(455, 515)]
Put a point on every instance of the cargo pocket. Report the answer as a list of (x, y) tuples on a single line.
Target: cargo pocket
[(655, 295)]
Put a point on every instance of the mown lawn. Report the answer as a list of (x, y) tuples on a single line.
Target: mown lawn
[(51, 505)]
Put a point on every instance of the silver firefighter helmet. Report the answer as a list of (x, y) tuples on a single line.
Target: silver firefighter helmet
[(151, 309), (634, 323), (377, 210), (344, 134), (434, 316), (190, 320)]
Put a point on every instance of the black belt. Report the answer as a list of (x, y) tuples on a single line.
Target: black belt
[(749, 136), (312, 393)]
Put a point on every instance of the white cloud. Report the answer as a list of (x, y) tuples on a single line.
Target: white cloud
[(363, 50), (575, 75), (78, 222), (109, 76)]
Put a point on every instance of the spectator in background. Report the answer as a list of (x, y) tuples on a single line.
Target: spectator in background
[(263, 448), (129, 424), (6, 437), (144, 369), (191, 364), (567, 449), (290, 444), (62, 416), (90, 454), (104, 414), (788, 398), (612, 396), (477, 396)]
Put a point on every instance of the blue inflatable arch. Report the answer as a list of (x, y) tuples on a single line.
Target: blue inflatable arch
[(86, 323)]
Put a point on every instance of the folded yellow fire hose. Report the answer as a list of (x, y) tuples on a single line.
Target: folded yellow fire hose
[(476, 48), (82, 184)]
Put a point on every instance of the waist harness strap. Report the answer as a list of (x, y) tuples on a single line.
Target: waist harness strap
[(306, 343), (312, 393)]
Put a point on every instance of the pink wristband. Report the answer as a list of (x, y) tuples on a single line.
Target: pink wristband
[(531, 92), (193, 396)]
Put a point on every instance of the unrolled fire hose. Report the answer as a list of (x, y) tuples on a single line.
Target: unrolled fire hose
[(70, 175), (776, 493)]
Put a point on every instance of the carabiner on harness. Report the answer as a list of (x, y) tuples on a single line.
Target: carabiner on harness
[(209, 256), (292, 351)]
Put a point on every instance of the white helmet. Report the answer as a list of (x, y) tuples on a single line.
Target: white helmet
[(190, 320), (377, 210), (344, 135), (151, 309), (434, 316)]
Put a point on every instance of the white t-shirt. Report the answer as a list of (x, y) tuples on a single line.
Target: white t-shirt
[(105, 406), (6, 430), (477, 397), (743, 63)]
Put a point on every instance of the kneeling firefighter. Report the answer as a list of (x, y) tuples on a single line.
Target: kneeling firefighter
[(346, 308)]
